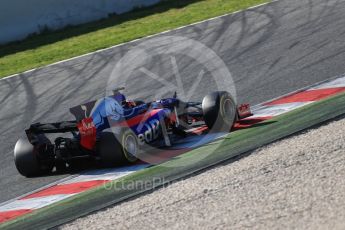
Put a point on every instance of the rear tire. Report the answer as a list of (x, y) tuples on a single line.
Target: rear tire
[(219, 111), (26, 160), (113, 153)]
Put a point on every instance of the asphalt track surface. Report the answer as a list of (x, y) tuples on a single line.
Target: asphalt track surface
[(270, 51)]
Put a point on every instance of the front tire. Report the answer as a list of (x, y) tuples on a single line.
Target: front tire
[(26, 159), (219, 111)]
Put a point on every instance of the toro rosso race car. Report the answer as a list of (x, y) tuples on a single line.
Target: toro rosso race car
[(114, 130)]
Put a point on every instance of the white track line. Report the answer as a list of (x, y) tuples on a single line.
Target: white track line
[(135, 40), (339, 82)]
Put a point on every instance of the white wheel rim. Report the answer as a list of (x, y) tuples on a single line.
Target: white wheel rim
[(228, 111), (130, 145)]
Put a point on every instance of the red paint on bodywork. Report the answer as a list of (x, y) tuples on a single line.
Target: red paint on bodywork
[(87, 132), (244, 111), (248, 122)]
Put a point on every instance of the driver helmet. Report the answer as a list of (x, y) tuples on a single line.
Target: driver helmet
[(119, 97)]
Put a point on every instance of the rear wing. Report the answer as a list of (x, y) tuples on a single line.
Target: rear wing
[(58, 127), (80, 112)]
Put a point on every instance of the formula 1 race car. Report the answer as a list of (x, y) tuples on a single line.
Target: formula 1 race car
[(114, 130)]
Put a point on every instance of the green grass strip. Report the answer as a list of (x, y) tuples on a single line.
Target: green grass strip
[(51, 47), (234, 144)]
